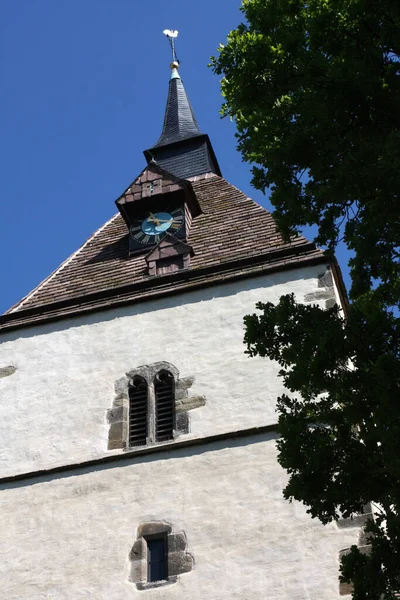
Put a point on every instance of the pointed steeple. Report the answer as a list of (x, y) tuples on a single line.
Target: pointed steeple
[(179, 121), (182, 148)]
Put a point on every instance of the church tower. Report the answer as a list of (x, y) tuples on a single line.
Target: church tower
[(138, 454)]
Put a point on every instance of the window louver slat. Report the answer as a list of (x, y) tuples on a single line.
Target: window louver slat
[(138, 413), (163, 419), (165, 403)]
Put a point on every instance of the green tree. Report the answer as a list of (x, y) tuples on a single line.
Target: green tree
[(314, 89)]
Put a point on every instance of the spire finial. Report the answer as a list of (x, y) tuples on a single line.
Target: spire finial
[(171, 35)]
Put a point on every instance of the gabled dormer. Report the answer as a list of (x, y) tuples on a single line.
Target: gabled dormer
[(155, 204), (168, 256)]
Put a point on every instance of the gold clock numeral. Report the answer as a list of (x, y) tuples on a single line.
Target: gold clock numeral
[(175, 211), (146, 239), (175, 225), (135, 229), (157, 238), (140, 235)]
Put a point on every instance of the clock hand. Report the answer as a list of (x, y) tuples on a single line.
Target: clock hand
[(154, 219)]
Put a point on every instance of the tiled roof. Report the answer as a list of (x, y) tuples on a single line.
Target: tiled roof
[(233, 237)]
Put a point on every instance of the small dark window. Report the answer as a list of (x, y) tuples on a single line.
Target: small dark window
[(138, 412), (157, 563), (164, 390), (169, 265)]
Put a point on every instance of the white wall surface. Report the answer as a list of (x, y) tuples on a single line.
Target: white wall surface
[(70, 537), (53, 409)]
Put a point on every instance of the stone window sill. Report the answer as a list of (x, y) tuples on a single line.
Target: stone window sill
[(149, 585)]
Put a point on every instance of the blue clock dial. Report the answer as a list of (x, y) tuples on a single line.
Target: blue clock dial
[(157, 223), (150, 230)]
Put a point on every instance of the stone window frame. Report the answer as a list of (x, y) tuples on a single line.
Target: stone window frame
[(118, 415), (179, 561)]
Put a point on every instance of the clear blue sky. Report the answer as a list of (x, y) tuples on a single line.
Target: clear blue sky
[(83, 92)]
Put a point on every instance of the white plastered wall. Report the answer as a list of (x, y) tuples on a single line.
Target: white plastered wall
[(68, 537), (53, 408)]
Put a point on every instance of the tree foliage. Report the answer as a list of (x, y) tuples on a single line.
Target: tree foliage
[(314, 89), (340, 430)]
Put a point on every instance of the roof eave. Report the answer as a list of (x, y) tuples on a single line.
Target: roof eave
[(239, 269)]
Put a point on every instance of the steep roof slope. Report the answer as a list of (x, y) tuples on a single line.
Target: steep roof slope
[(232, 237)]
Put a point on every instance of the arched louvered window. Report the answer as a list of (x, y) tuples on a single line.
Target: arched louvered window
[(164, 387), (138, 412)]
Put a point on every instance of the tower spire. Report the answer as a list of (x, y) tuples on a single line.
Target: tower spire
[(179, 121), (182, 148)]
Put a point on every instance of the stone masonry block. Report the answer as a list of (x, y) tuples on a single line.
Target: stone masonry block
[(181, 393), (150, 585), (185, 382), (363, 539), (326, 279), (362, 549), (176, 542), (121, 386), (330, 303), (147, 529), (192, 402), (322, 295), (138, 551), (118, 431), (115, 444), (120, 413), (182, 422), (121, 401), (355, 521), (179, 562), (7, 371), (345, 589), (138, 570)]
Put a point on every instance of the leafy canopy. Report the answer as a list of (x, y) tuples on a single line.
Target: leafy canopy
[(314, 89), (340, 430)]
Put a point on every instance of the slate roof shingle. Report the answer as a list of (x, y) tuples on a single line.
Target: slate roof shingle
[(182, 149)]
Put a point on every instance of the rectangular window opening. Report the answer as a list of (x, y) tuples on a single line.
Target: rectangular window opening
[(157, 558)]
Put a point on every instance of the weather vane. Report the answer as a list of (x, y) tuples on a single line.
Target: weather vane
[(171, 35)]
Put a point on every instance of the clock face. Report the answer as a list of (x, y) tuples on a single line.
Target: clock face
[(150, 229), (157, 223)]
